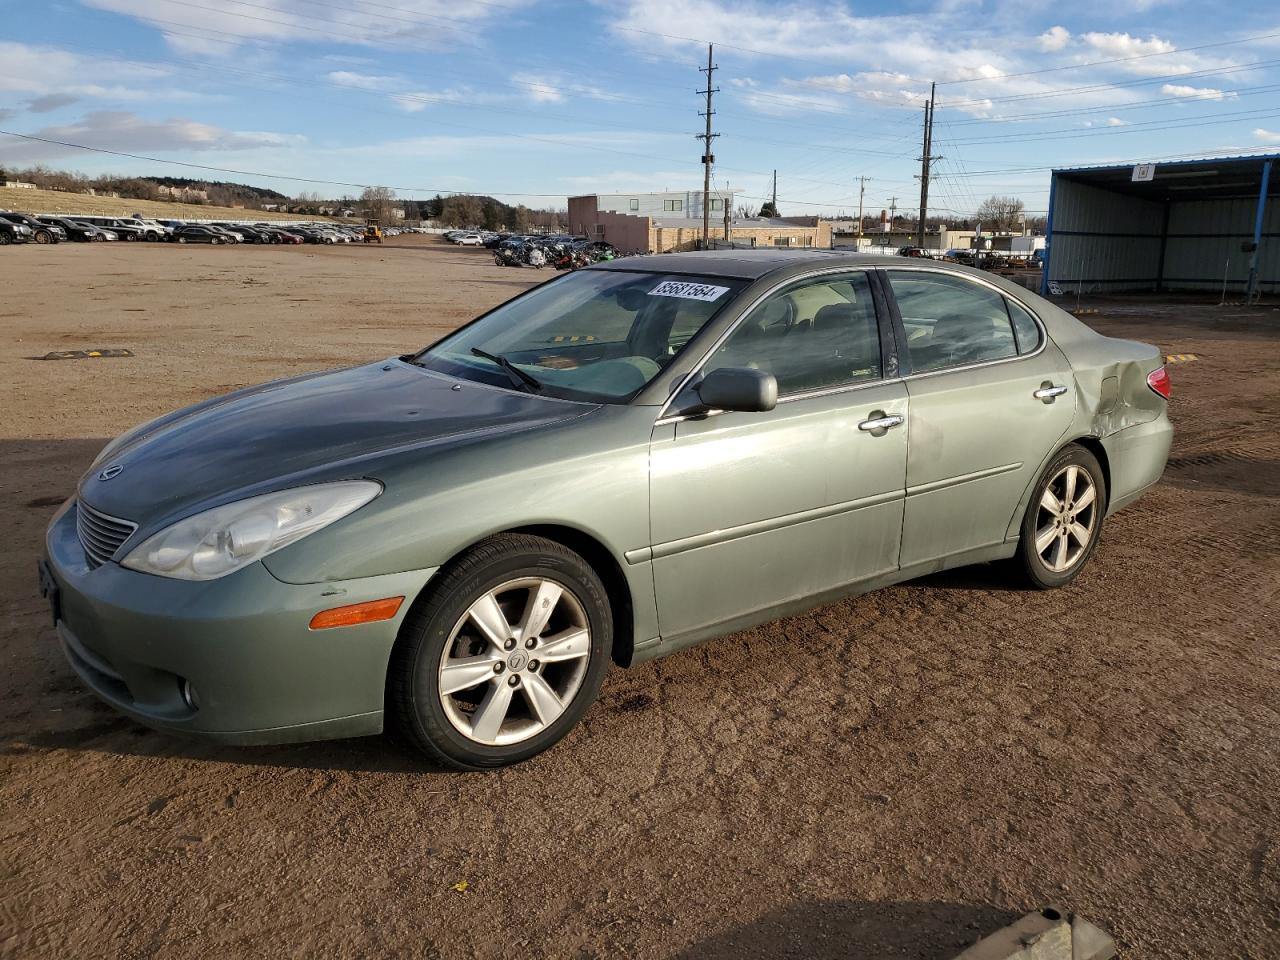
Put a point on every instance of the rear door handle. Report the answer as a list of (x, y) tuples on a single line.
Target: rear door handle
[(881, 423), (1048, 392)]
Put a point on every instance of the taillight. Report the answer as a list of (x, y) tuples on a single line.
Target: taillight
[(1158, 380)]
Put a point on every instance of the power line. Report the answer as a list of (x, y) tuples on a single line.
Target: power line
[(1223, 96), (1145, 126), (1111, 85), (1099, 63)]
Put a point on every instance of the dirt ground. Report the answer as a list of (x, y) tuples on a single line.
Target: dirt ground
[(891, 776)]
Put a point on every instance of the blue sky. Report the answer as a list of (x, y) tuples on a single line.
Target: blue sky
[(534, 100)]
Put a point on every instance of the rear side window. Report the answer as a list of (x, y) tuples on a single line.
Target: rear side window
[(950, 321), (1025, 329)]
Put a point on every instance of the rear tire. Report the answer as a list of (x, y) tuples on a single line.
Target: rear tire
[(1063, 522), (508, 705)]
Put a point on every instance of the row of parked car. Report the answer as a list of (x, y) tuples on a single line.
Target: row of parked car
[(48, 228)]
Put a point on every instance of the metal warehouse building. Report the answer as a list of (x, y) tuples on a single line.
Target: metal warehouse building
[(1188, 225)]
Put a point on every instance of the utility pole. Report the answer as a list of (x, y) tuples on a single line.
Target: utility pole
[(862, 190), (926, 158), (774, 201), (728, 213), (708, 158)]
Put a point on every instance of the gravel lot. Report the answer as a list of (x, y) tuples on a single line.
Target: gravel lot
[(890, 776)]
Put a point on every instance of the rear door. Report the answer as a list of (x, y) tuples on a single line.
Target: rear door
[(751, 511), (991, 398)]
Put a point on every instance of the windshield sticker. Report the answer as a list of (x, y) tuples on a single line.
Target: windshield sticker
[(688, 291)]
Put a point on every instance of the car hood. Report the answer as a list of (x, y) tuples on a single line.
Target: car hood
[(320, 427)]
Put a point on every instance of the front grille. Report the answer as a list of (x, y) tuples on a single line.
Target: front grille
[(100, 535)]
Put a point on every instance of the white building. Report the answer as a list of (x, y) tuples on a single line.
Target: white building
[(670, 203)]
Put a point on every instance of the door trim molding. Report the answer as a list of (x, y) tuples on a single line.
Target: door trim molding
[(712, 537), (933, 485)]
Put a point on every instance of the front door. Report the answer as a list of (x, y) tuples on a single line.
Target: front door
[(991, 398), (750, 511)]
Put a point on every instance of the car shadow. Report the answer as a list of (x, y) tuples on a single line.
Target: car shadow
[(997, 577), (848, 930)]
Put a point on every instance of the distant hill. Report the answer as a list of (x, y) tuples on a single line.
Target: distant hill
[(59, 202), (242, 190)]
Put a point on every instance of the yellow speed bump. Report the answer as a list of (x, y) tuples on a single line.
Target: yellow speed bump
[(1180, 357)]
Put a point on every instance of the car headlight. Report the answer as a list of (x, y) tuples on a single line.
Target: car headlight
[(222, 540)]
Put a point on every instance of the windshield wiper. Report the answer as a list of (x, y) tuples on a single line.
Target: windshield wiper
[(518, 377)]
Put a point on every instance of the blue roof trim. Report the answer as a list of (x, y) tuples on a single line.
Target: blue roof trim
[(1167, 163)]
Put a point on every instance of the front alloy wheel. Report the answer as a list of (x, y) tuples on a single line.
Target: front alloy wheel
[(502, 655), (515, 661), (1063, 522)]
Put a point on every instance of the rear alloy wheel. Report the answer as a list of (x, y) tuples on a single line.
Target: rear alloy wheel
[(503, 656), (1063, 522)]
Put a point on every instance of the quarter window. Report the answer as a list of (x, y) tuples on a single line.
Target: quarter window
[(810, 336), (951, 322), (1025, 330)]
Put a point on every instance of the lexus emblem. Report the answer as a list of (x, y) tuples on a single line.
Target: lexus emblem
[(112, 471)]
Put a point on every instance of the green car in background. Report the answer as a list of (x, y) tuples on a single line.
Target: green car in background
[(616, 464)]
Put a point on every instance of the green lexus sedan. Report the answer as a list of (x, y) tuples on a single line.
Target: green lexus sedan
[(614, 465)]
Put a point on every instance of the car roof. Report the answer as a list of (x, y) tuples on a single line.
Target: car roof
[(743, 264)]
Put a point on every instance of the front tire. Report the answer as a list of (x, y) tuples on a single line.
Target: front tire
[(1063, 522), (503, 655)]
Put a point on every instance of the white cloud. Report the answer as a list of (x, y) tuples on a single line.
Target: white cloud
[(128, 132), (1054, 39), (411, 24), (1196, 93), (42, 73), (361, 81), (1116, 122), (537, 88), (1266, 136), (51, 102), (415, 101), (1123, 45)]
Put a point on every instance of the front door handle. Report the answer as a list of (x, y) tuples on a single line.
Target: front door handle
[(881, 423), (1047, 392)]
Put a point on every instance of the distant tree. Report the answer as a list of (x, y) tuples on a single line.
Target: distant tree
[(1000, 214), (490, 214), (462, 211), (768, 209), (746, 213), (377, 203), (520, 219)]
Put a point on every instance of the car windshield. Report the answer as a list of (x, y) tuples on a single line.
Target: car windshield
[(596, 335)]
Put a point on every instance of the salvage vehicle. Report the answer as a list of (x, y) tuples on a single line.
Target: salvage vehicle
[(40, 232), (11, 232), (200, 233), (614, 465), (74, 230)]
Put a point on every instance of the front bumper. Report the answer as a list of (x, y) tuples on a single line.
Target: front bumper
[(231, 660)]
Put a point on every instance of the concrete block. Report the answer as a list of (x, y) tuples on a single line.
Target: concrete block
[(1048, 934)]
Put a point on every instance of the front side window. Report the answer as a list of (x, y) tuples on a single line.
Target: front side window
[(596, 335), (951, 321), (811, 336)]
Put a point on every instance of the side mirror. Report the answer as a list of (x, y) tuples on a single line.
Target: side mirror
[(740, 389)]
